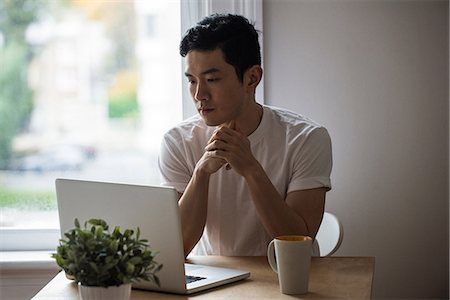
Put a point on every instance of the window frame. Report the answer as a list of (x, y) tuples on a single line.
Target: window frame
[(29, 239), (36, 239)]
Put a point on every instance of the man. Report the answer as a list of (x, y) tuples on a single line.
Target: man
[(246, 172)]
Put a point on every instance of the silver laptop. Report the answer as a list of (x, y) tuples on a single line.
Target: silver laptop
[(154, 210)]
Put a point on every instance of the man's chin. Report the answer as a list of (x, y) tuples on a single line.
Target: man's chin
[(212, 123)]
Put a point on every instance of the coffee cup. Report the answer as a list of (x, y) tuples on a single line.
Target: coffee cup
[(290, 257)]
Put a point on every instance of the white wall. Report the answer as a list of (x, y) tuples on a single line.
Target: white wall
[(375, 73)]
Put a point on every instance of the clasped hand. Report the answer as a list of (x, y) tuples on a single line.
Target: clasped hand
[(227, 146)]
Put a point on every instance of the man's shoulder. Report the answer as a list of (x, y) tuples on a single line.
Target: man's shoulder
[(298, 130), (290, 118)]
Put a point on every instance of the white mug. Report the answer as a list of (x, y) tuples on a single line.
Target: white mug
[(290, 257)]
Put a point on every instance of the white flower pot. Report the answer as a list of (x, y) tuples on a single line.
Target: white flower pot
[(121, 292)]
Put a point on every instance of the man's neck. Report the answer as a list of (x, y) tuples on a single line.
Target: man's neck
[(250, 121)]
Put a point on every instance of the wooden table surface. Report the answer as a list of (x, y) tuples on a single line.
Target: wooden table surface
[(330, 277)]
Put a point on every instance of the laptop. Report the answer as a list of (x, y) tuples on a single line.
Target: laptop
[(154, 209)]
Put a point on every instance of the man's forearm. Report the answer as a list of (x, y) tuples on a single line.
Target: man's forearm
[(193, 209), (276, 216)]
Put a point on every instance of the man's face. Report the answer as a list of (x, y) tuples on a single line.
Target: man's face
[(218, 94)]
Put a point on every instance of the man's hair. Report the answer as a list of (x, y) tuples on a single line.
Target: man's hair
[(233, 34)]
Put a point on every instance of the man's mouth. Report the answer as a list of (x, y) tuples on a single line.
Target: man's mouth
[(204, 110)]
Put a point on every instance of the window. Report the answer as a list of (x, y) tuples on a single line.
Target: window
[(98, 89), (87, 88)]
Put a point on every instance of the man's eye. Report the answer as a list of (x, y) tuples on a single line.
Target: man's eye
[(213, 79)]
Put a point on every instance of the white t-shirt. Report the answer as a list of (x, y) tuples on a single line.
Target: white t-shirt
[(294, 151)]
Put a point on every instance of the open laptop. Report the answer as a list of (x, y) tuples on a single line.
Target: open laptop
[(154, 210)]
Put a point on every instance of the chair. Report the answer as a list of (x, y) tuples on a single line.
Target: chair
[(329, 237)]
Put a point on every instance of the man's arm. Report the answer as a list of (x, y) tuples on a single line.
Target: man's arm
[(310, 205), (193, 202), (300, 213), (193, 205)]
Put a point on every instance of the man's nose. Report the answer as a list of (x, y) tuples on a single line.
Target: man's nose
[(201, 93)]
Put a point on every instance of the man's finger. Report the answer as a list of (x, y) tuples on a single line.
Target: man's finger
[(232, 125)]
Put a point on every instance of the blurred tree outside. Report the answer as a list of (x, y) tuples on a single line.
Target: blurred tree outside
[(122, 96), (122, 100), (119, 19), (69, 76), (15, 96)]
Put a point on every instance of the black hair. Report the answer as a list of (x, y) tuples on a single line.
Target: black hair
[(233, 34)]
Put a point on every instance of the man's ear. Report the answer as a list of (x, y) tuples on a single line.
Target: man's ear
[(253, 76)]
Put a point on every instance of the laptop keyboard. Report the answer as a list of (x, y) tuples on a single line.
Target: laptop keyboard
[(190, 279)]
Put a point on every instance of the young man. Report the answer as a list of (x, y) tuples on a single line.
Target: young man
[(246, 172)]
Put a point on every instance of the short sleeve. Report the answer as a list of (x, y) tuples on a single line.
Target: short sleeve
[(172, 167), (312, 162)]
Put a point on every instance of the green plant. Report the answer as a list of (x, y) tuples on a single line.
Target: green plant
[(95, 257)]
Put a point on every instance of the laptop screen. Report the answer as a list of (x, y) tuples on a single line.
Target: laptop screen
[(153, 209)]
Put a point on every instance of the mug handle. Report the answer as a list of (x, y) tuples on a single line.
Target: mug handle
[(271, 256)]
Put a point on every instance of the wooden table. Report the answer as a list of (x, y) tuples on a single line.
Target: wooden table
[(331, 277)]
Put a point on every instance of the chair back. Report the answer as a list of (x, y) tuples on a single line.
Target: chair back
[(329, 237)]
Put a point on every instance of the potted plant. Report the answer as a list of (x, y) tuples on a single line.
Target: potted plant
[(105, 264)]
